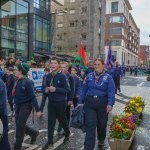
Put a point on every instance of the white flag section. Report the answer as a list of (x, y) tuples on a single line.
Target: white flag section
[(36, 75)]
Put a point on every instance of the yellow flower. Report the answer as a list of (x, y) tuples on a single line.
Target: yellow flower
[(117, 119), (140, 110), (132, 102), (137, 104)]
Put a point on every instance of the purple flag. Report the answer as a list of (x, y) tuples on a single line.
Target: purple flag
[(109, 56)]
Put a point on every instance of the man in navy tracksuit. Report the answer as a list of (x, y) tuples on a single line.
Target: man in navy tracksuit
[(58, 87), (45, 94), (24, 100), (10, 81), (77, 85), (4, 143), (70, 96)]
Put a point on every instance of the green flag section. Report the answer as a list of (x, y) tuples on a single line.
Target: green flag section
[(78, 57)]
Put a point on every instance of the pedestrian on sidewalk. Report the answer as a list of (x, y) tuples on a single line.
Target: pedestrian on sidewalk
[(4, 143), (57, 86), (117, 76), (98, 96), (24, 100)]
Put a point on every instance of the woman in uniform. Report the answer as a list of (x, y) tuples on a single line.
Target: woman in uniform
[(98, 96)]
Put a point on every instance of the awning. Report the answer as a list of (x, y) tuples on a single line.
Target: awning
[(38, 55)]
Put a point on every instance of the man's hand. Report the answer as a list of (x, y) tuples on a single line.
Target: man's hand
[(70, 103), (52, 89), (109, 108), (38, 114)]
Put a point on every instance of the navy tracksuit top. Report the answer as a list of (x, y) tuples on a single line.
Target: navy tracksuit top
[(61, 83), (25, 93), (105, 87)]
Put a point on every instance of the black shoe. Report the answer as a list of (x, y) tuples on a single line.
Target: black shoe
[(66, 139), (101, 143), (33, 137), (17, 147), (47, 146)]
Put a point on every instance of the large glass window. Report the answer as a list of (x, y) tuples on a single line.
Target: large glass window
[(43, 5), (14, 28), (41, 34), (114, 7)]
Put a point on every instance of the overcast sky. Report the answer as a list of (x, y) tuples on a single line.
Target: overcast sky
[(141, 14)]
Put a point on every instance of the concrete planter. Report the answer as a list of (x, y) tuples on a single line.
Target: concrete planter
[(120, 144)]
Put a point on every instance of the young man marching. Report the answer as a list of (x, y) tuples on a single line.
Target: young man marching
[(58, 88), (70, 96), (24, 100)]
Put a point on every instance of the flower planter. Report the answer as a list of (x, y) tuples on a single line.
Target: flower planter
[(121, 144)]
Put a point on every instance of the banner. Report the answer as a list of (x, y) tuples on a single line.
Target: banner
[(36, 75)]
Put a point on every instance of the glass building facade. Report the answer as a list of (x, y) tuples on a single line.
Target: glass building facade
[(24, 28)]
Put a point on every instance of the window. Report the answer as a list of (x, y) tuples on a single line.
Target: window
[(60, 14), (84, 22), (41, 4), (59, 48), (41, 33), (116, 42), (72, 11), (84, 10), (83, 36), (117, 19), (36, 4), (59, 25), (71, 1), (72, 24), (59, 37), (117, 31), (114, 7)]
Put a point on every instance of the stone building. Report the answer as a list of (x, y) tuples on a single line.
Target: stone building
[(79, 21)]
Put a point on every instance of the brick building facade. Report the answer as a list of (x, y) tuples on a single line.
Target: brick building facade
[(123, 32)]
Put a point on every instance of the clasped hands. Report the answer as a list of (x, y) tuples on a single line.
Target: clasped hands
[(51, 89)]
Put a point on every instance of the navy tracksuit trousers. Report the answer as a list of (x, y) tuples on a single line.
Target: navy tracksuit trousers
[(95, 116), (4, 143)]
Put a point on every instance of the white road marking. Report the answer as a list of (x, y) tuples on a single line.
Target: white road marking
[(140, 147), (59, 142), (141, 84), (40, 131), (32, 147), (82, 148), (11, 131)]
